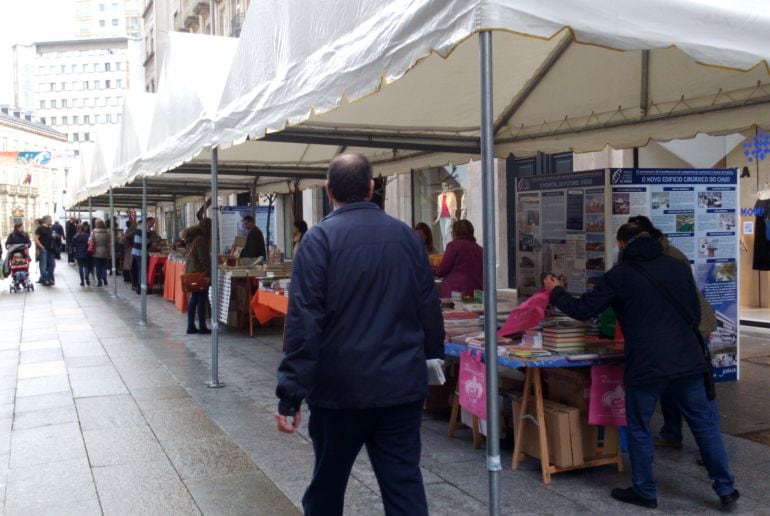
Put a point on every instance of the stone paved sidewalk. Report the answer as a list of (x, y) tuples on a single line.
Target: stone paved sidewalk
[(102, 415)]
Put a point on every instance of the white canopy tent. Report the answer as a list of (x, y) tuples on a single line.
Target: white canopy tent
[(402, 76)]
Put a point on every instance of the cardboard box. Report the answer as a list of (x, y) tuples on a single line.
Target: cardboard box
[(570, 386), (563, 433)]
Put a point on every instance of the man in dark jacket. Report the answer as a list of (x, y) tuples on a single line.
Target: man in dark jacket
[(363, 318), (255, 240), (662, 352), (70, 230)]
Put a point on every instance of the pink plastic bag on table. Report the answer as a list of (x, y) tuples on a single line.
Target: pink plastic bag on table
[(608, 396), (472, 384), (527, 315)]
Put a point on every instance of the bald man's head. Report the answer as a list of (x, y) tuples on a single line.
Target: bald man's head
[(349, 178)]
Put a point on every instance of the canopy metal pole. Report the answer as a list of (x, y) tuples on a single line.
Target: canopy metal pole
[(214, 383), (143, 256), (90, 215), (490, 272), (113, 228)]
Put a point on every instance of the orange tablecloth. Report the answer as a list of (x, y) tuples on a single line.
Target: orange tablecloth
[(269, 305), (172, 286), (152, 265)]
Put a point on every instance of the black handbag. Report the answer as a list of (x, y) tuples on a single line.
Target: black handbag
[(708, 376)]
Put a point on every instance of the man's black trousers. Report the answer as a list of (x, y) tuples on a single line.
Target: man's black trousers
[(392, 439)]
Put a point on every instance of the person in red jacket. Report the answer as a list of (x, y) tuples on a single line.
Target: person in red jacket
[(462, 266)]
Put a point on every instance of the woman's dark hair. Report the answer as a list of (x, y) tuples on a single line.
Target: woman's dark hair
[(18, 226), (423, 228), (463, 228), (630, 231), (301, 225), (349, 177), (646, 225)]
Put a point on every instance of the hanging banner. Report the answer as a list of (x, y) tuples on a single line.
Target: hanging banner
[(697, 211), (25, 158), (561, 229)]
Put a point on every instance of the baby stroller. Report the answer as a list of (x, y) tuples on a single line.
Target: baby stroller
[(17, 267)]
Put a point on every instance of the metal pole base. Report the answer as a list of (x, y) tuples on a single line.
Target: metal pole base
[(212, 385)]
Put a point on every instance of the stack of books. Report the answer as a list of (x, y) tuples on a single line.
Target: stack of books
[(532, 339), (564, 337), (460, 323)]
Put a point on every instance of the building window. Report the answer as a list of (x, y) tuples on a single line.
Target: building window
[(64, 86), (117, 118), (53, 120), (109, 118), (77, 153), (106, 67), (76, 137), (102, 23), (118, 66), (86, 137), (97, 84), (74, 68), (64, 120), (53, 86), (114, 22), (101, 8), (63, 102), (42, 104), (118, 83), (74, 120), (85, 85), (42, 120), (107, 84), (86, 119), (97, 119), (62, 69), (53, 103)]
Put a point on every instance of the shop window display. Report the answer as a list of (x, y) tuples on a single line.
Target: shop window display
[(439, 199)]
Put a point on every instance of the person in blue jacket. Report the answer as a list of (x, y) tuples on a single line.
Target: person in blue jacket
[(662, 354), (363, 318)]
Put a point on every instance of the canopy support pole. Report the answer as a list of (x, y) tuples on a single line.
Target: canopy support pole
[(113, 228), (645, 86), (143, 256), (490, 277), (214, 383)]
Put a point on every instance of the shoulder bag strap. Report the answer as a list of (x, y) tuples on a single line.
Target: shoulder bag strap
[(671, 299)]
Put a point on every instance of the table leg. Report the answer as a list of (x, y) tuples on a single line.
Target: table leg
[(540, 416), (520, 423), (248, 307)]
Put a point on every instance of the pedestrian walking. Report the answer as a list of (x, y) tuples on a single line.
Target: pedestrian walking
[(70, 230), (198, 259), (45, 242), (101, 239), (656, 302), (80, 252), (363, 318)]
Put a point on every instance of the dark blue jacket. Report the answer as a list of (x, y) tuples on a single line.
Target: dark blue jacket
[(80, 245), (363, 315), (660, 346)]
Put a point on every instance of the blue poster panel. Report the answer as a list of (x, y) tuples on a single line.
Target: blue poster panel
[(697, 211)]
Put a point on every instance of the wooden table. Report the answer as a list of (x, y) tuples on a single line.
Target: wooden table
[(533, 380)]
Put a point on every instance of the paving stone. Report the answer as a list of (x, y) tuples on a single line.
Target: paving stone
[(87, 361), (141, 489), (36, 356), (186, 423), (42, 369), (81, 348), (160, 392), (243, 493), (42, 488), (44, 401), (197, 459), (39, 344), (96, 381), (109, 412), (45, 417), (139, 378), (44, 385), (117, 446), (46, 444)]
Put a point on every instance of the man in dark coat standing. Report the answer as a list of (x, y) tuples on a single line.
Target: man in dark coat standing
[(662, 354), (70, 229), (363, 318), (255, 240)]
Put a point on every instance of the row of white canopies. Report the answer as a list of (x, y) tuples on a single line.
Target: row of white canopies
[(399, 81), (407, 83)]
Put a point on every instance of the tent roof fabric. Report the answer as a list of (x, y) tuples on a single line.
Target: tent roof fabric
[(399, 81)]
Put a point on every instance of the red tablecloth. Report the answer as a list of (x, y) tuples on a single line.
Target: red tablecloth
[(152, 265), (269, 305)]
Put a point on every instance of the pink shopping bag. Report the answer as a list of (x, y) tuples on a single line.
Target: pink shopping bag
[(472, 384), (608, 396), (527, 315)]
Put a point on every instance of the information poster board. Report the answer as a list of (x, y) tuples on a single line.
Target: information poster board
[(231, 224), (697, 211), (561, 229)]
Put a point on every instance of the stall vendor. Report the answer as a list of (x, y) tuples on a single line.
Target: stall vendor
[(462, 267), (255, 241)]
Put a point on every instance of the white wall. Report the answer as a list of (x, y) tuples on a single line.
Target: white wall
[(475, 214), (607, 158)]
